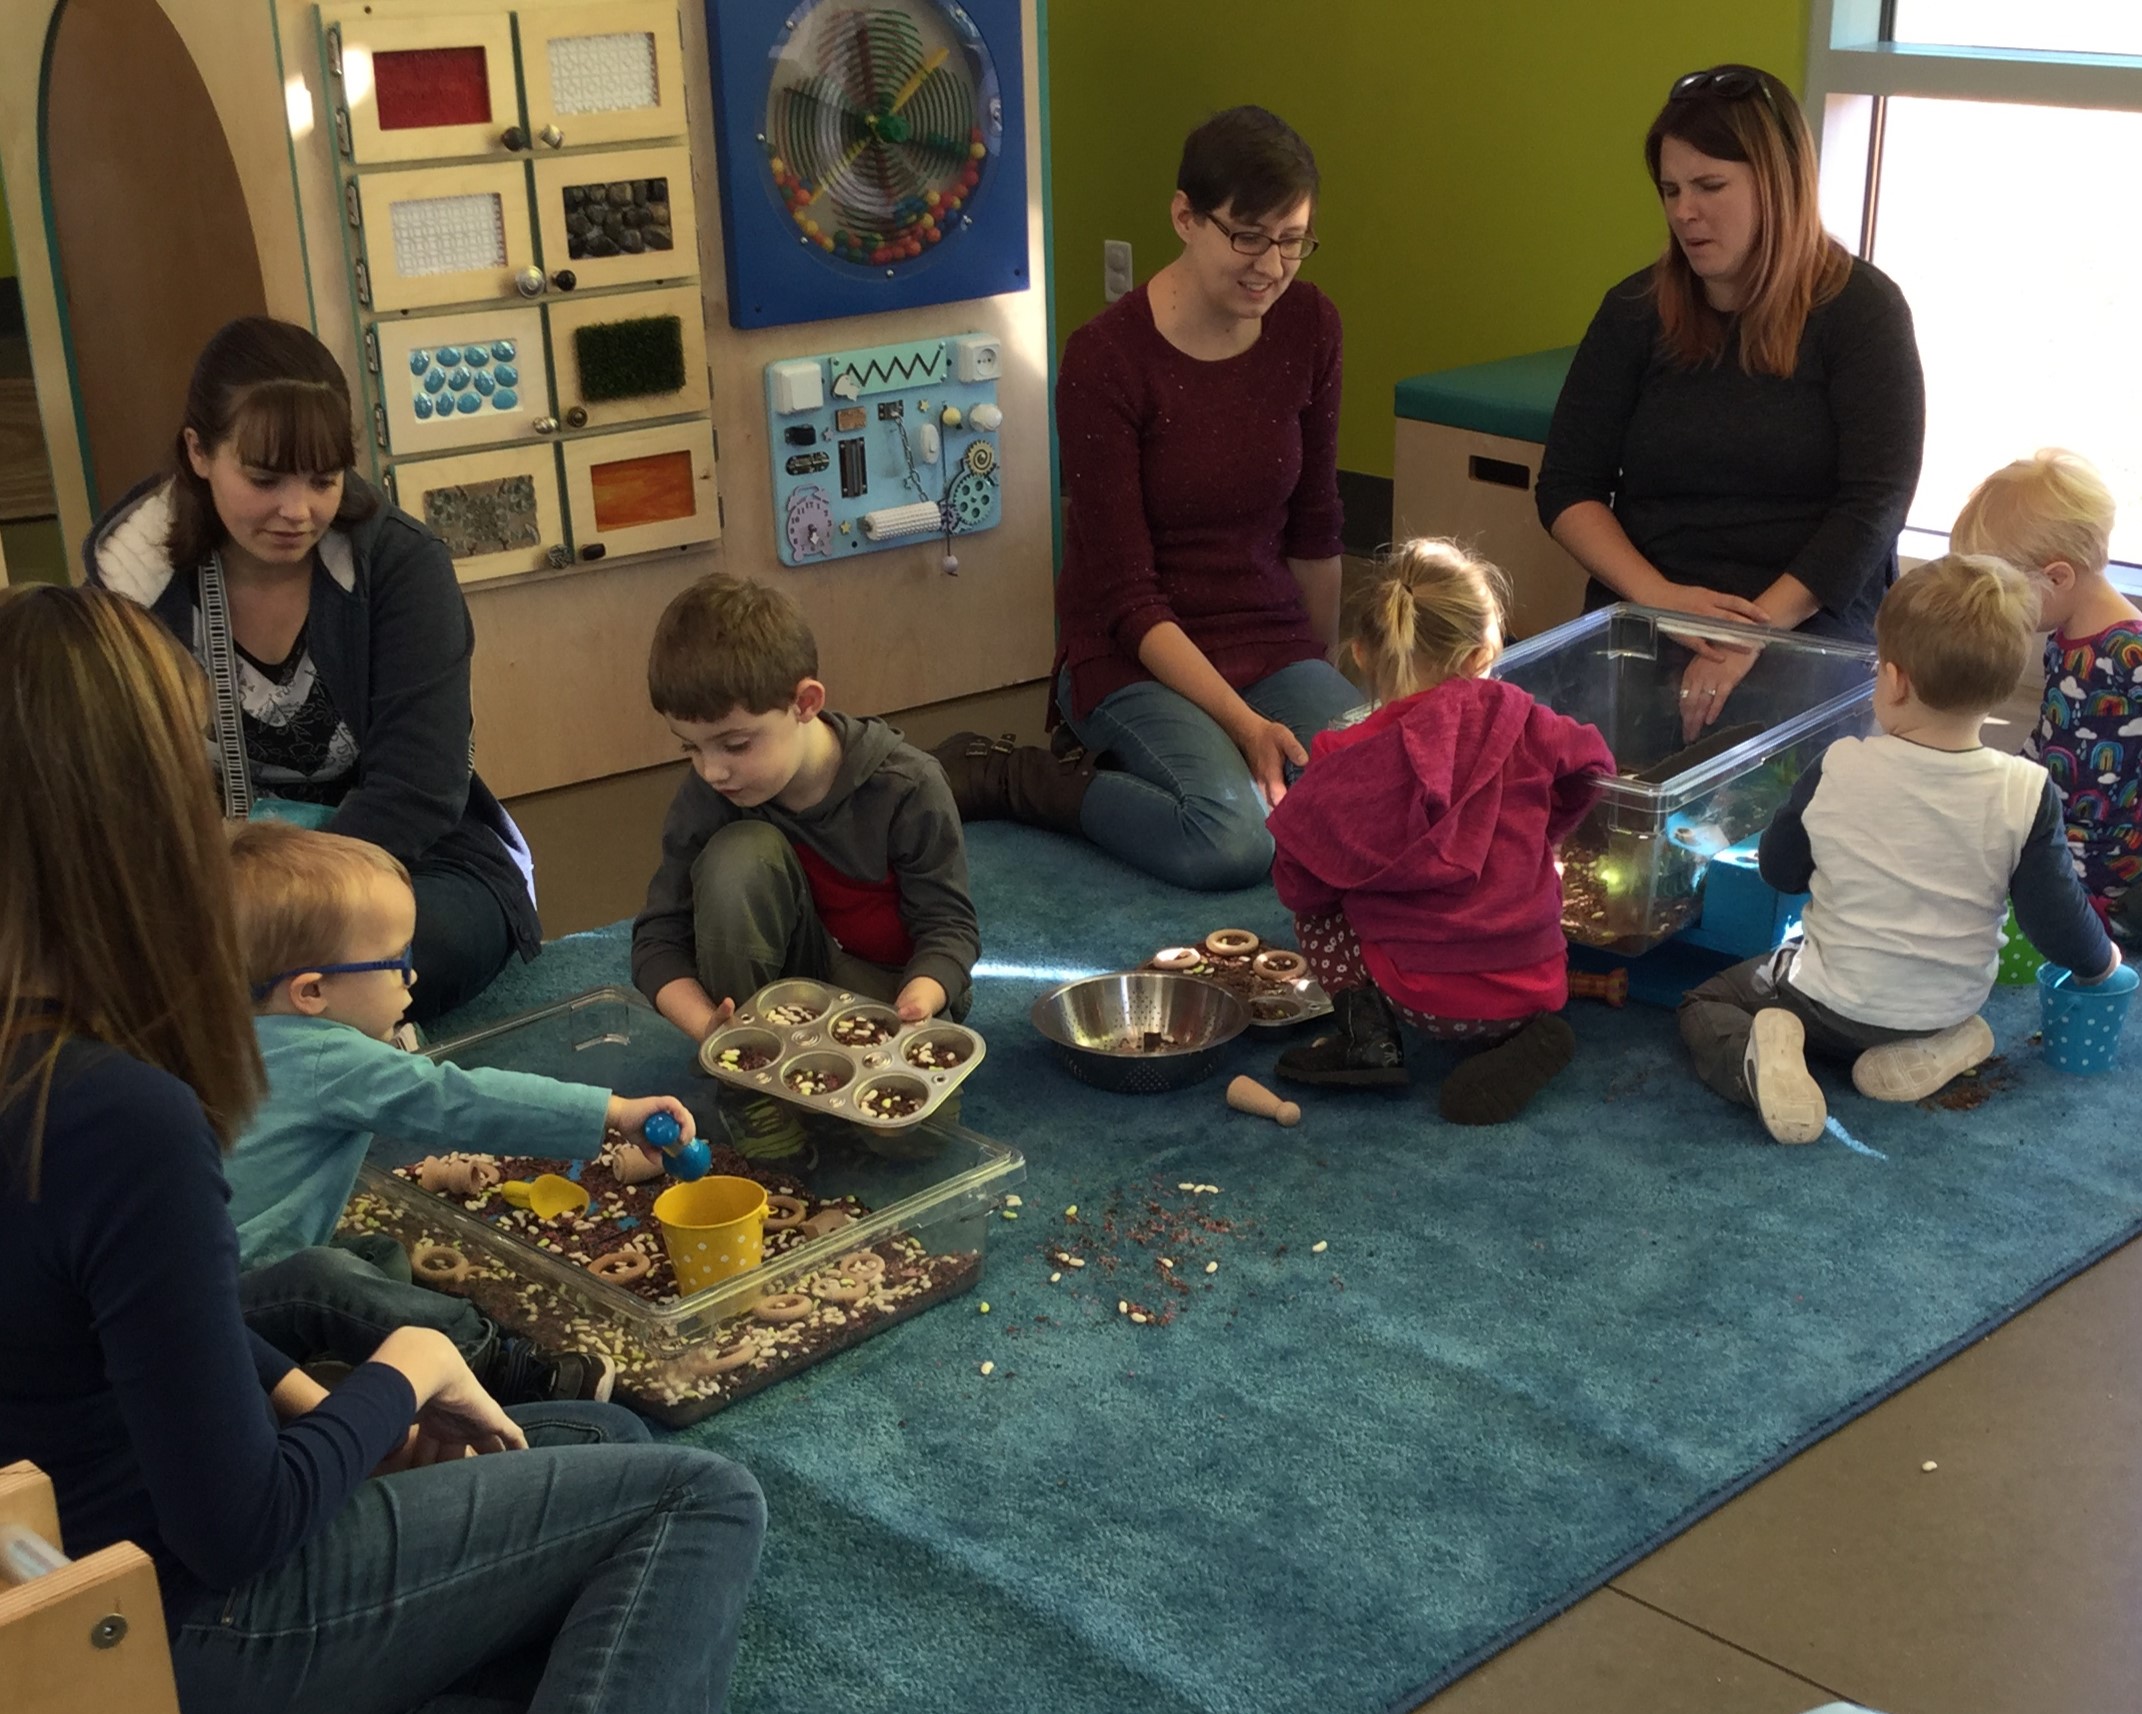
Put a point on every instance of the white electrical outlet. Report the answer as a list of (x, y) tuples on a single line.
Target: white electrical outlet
[(1115, 268)]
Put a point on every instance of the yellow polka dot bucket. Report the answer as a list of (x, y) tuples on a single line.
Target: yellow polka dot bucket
[(714, 1228)]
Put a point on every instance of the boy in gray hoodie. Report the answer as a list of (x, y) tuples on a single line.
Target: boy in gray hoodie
[(804, 843)]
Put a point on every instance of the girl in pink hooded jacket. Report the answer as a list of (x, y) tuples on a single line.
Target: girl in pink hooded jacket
[(1417, 852)]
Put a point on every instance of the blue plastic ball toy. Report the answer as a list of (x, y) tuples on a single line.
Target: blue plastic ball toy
[(662, 1130), (692, 1160)]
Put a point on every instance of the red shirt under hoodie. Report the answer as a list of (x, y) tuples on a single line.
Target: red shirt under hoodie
[(1433, 826)]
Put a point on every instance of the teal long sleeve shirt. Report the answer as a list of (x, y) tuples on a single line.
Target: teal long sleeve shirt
[(331, 1089)]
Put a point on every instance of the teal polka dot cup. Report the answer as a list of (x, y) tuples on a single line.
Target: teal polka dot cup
[(2082, 1025)]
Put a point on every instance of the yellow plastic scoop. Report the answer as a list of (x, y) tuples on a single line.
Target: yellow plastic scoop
[(546, 1196)]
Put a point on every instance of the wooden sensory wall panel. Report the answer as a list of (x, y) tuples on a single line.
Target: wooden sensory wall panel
[(560, 657)]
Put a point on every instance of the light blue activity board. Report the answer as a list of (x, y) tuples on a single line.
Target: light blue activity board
[(884, 448)]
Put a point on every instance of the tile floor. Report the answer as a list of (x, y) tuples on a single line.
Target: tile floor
[(1994, 1585)]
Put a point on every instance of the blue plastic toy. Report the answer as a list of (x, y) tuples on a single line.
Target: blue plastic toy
[(687, 1160)]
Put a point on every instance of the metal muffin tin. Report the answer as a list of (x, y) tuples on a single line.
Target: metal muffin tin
[(799, 1025)]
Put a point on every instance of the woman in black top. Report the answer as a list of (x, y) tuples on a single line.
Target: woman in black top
[(347, 638), (1740, 432)]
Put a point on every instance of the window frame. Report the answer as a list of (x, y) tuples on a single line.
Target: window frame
[(1852, 72)]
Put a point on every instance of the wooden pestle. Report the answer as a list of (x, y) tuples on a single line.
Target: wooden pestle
[(1247, 1095), (1612, 987)]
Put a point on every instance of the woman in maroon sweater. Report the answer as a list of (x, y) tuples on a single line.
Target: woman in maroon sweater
[(1198, 425)]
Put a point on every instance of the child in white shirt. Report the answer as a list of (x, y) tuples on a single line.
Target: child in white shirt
[(1912, 844)]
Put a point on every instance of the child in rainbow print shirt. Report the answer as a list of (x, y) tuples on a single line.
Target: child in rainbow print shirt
[(2051, 516)]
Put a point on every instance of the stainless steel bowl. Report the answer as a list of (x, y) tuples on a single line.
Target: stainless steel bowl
[(1098, 1026)]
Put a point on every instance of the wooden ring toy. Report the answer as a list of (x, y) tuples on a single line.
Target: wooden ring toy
[(622, 1266), (785, 1213), (1231, 943), (723, 1362), (783, 1306), (1279, 964), (439, 1264), (862, 1265), (839, 1288)]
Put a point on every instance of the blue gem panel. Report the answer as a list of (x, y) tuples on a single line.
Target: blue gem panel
[(460, 380)]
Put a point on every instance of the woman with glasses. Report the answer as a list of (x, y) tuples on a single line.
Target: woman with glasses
[(360, 1551), (335, 633), (1740, 432), (1198, 422)]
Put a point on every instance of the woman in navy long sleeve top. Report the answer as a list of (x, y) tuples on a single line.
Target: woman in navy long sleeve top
[(315, 1551)]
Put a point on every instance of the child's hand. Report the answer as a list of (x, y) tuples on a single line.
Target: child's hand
[(718, 1018), (630, 1114), (2104, 975), (924, 997)]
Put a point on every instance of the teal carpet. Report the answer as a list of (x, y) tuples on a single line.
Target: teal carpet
[(1336, 1479)]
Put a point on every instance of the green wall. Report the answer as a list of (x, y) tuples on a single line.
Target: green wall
[(1483, 174)]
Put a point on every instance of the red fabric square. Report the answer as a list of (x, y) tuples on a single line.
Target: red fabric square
[(417, 89)]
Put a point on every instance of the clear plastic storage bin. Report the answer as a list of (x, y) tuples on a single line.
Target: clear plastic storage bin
[(1632, 873), (926, 1198)]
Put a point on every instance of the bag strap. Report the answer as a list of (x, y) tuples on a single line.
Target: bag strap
[(223, 688)]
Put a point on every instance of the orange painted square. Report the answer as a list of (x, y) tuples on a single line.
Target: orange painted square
[(657, 489)]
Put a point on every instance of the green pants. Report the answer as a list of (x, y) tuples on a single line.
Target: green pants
[(754, 921)]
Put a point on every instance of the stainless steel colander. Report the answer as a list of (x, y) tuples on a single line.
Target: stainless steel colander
[(1100, 1027)]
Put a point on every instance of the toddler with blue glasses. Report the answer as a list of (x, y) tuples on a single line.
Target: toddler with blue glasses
[(326, 924)]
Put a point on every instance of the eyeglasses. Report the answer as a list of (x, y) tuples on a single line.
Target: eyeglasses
[(404, 963), (1249, 242), (1730, 83)]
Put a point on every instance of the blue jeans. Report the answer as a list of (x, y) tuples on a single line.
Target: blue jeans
[(1180, 803), (595, 1571), (340, 1300)]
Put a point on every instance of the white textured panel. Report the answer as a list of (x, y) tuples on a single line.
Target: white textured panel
[(448, 235), (603, 74)]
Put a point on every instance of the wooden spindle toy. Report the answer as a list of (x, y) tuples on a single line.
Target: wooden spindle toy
[(1247, 1095), (457, 1175), (631, 1164), (1611, 987)]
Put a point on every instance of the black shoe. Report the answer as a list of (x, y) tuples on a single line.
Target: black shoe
[(521, 1374), (1496, 1085), (1360, 1051)]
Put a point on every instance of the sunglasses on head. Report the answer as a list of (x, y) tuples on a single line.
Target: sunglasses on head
[(405, 963), (1730, 83)]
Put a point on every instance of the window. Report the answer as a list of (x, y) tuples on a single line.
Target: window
[(1983, 154)]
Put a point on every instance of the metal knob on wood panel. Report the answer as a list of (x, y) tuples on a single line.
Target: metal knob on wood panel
[(513, 139), (565, 279), (577, 417), (545, 425), (552, 137), (530, 282)]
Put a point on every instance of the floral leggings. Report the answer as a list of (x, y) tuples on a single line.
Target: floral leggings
[(1334, 954)]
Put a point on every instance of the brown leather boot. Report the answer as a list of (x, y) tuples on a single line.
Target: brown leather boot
[(998, 779)]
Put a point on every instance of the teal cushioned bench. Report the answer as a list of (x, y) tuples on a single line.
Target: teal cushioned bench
[(1513, 398)]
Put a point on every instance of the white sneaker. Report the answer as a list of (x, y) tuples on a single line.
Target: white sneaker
[(1786, 1093), (1913, 1070)]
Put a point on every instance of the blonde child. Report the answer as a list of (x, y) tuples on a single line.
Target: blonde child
[(325, 924), (1417, 851), (2050, 516), (1912, 843)]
